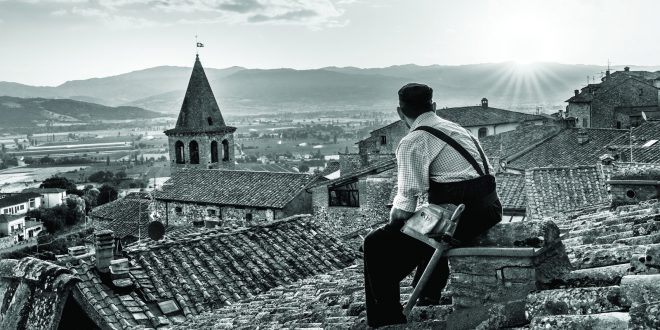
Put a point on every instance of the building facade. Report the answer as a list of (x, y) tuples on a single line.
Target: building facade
[(616, 102), (20, 203), (50, 197)]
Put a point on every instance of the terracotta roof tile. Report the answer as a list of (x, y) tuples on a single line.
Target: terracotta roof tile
[(124, 217), (642, 135), (512, 142), (33, 293), (557, 189), (240, 188), (563, 149), (479, 116), (511, 190)]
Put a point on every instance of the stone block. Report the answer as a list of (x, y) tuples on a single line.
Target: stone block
[(641, 289), (519, 234), (599, 276), (575, 301), (645, 316)]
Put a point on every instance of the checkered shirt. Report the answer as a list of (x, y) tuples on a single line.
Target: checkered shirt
[(421, 156)]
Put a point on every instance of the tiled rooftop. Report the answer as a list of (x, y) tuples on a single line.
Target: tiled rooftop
[(183, 277), (479, 116), (17, 198), (511, 190), (603, 289), (563, 149), (509, 143), (33, 293), (553, 190), (238, 188), (126, 216), (642, 135)]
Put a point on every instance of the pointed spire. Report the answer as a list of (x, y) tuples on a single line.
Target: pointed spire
[(199, 110)]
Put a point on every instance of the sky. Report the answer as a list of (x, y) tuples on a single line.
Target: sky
[(48, 42)]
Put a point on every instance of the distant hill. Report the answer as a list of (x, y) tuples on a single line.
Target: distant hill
[(238, 90), (16, 111)]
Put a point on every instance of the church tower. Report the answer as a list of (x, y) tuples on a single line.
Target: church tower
[(200, 139)]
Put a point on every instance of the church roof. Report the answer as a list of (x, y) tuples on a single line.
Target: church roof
[(200, 112)]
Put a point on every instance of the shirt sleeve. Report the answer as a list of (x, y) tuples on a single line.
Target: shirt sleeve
[(413, 161)]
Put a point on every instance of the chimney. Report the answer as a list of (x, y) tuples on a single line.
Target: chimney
[(484, 103), (119, 268), (119, 275), (104, 244), (76, 251), (626, 69), (607, 73), (582, 137), (576, 91)]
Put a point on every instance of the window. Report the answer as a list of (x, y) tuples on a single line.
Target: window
[(225, 150), (585, 122), (194, 152), (32, 203), (214, 152), (483, 132), (178, 210), (211, 212), (210, 121), (383, 140), (344, 195), (248, 216), (179, 152), (618, 124), (22, 206)]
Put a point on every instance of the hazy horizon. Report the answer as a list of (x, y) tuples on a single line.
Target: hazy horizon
[(49, 42)]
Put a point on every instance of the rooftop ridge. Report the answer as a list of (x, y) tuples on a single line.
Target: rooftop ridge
[(562, 167)]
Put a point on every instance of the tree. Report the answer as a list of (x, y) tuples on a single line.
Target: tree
[(58, 182), (75, 210), (303, 168), (101, 176), (107, 194), (107, 160)]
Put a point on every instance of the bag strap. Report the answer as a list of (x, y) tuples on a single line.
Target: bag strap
[(459, 148)]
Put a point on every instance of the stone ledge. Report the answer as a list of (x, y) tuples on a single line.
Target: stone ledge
[(609, 321)]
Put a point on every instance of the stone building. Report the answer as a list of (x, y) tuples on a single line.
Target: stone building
[(200, 139), (616, 102), (355, 200), (191, 196), (484, 120), (644, 147)]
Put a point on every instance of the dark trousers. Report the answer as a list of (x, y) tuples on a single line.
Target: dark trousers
[(389, 255)]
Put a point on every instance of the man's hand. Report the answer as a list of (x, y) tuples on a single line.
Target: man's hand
[(398, 217)]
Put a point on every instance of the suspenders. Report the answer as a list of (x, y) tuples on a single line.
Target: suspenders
[(459, 148)]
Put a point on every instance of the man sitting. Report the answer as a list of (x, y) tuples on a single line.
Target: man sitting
[(442, 158)]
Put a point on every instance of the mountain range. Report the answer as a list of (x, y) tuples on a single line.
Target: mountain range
[(240, 90), (24, 112)]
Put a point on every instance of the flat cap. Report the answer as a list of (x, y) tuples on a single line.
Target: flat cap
[(416, 95)]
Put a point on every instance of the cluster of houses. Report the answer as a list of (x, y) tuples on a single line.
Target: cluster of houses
[(15, 227), (275, 249)]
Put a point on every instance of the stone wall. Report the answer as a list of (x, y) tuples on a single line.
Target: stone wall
[(629, 193), (631, 93), (374, 196), (580, 111), (191, 212), (393, 134), (204, 143), (350, 162)]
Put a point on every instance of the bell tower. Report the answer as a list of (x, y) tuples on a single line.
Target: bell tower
[(200, 139)]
